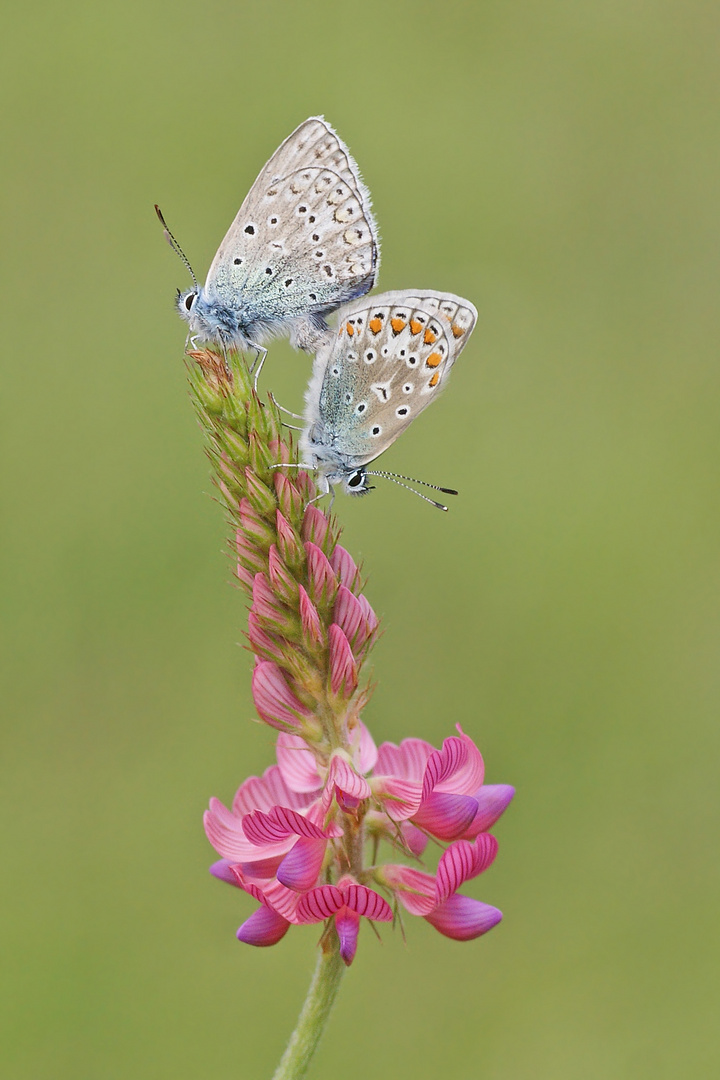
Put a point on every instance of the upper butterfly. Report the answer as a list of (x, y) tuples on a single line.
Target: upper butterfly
[(389, 360), (303, 243)]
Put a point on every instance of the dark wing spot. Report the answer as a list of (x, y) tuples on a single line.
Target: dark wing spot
[(237, 261), (313, 296), (268, 270), (288, 282), (250, 230), (375, 431)]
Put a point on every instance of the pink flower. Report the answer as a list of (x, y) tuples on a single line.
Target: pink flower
[(435, 898), (284, 841)]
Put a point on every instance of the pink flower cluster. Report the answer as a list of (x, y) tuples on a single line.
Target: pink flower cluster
[(294, 838)]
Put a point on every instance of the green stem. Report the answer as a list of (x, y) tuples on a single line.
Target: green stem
[(315, 1012)]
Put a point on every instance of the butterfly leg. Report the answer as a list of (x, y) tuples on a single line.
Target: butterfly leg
[(287, 411), (259, 361)]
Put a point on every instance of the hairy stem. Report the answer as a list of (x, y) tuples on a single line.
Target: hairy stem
[(315, 1012)]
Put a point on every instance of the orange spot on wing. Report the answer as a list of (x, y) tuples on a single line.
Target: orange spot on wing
[(415, 326), (435, 379), (375, 325), (434, 359), (398, 325), (458, 331), (350, 329), (429, 337)]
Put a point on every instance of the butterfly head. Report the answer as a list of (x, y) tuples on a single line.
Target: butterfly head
[(186, 302), (354, 482)]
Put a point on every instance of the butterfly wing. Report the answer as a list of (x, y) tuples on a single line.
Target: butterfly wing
[(389, 360), (304, 240)]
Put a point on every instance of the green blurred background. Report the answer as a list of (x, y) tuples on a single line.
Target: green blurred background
[(556, 162)]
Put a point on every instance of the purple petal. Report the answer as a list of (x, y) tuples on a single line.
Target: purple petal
[(462, 861), (300, 868), (264, 927), (274, 700), (347, 924), (462, 918), (445, 816), (223, 872), (492, 800)]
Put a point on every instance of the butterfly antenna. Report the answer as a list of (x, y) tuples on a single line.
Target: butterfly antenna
[(395, 477), (175, 246), (399, 476)]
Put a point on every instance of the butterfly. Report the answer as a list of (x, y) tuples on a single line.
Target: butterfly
[(388, 361), (303, 243)]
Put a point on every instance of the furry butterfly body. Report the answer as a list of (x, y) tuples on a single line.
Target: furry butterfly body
[(389, 359), (303, 243)]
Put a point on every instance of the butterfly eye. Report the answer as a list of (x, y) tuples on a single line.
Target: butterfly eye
[(355, 480), (189, 301)]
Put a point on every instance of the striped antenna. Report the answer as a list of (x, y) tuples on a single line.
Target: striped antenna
[(175, 246)]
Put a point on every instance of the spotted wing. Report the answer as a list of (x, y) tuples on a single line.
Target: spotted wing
[(388, 361), (304, 240)]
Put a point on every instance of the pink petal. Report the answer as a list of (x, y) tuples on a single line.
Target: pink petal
[(274, 894), (300, 868), (463, 861), (343, 669), (225, 832), (315, 526), (288, 496), (342, 776), (272, 828), (264, 792), (445, 816), (319, 904), (264, 927), (312, 628), (365, 901), (347, 924), (345, 568), (414, 889), (406, 761), (297, 763), (492, 800), (348, 614), (371, 619), (266, 604), (281, 579), (457, 769), (274, 700), (462, 918), (321, 576), (261, 643), (362, 748), (400, 798), (416, 841), (288, 540)]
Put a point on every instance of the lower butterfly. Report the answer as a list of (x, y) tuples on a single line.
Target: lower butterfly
[(387, 362)]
